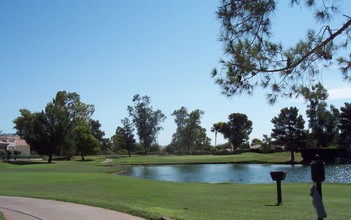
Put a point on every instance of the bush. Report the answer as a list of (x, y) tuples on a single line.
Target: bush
[(170, 149), (122, 152), (245, 146), (327, 155), (197, 152), (154, 148), (224, 146), (222, 152), (209, 148)]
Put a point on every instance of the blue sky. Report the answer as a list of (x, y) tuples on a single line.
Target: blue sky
[(108, 51)]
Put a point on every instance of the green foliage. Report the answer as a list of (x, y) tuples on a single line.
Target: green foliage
[(216, 128), (256, 141), (85, 141), (189, 134), (289, 129), (146, 120), (266, 144), (155, 148), (253, 60), (124, 137), (323, 123), (237, 129), (345, 126), (63, 125), (104, 143), (16, 152), (224, 146)]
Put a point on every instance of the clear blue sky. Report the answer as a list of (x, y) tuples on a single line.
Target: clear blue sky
[(107, 51)]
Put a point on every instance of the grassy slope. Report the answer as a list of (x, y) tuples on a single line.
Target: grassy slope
[(283, 157), (84, 182)]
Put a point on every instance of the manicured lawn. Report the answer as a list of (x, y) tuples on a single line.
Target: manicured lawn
[(90, 183), (283, 157)]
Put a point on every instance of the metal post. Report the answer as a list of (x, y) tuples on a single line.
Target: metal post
[(319, 189), (279, 192), (278, 176), (318, 176)]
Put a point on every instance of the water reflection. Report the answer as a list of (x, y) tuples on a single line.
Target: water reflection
[(238, 173)]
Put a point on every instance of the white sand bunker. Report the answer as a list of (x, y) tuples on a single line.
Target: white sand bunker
[(108, 160)]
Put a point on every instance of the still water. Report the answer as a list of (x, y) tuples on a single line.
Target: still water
[(238, 173)]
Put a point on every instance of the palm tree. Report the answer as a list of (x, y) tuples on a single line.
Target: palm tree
[(216, 127)]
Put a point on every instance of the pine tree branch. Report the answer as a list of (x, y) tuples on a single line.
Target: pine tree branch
[(313, 51)]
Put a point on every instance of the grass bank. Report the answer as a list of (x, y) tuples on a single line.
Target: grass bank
[(278, 158), (90, 183)]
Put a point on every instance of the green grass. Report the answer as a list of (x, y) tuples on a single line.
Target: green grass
[(282, 157), (91, 183)]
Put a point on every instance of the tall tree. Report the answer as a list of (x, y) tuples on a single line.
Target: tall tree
[(146, 120), (345, 126), (189, 133), (266, 143), (85, 141), (53, 130), (77, 114), (104, 144), (289, 129), (41, 131), (332, 118), (322, 122), (124, 137), (216, 127), (237, 129), (32, 127), (23, 122), (202, 140), (253, 60)]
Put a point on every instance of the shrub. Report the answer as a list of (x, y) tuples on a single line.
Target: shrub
[(197, 152), (122, 152)]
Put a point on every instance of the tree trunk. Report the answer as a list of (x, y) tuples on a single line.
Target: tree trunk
[(145, 150), (215, 138), (50, 158), (82, 155), (233, 148), (129, 153), (292, 156)]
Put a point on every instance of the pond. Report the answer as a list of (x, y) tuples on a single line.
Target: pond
[(238, 173)]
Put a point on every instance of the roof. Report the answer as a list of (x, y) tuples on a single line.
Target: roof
[(256, 146), (2, 143), (18, 140)]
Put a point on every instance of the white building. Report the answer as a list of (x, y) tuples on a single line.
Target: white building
[(12, 143)]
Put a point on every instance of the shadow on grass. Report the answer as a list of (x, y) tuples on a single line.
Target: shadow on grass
[(85, 160), (25, 162), (275, 205)]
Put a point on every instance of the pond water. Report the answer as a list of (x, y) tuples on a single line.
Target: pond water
[(238, 173)]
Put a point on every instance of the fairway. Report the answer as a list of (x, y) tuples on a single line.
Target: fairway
[(93, 184)]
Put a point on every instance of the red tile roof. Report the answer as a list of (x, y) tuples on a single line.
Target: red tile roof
[(18, 140)]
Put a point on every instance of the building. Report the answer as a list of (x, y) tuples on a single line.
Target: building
[(13, 142)]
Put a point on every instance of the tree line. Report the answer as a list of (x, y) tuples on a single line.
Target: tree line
[(65, 127), (326, 128)]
